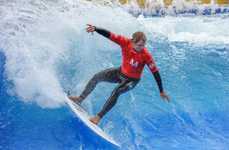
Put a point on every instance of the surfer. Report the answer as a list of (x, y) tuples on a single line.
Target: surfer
[(134, 56)]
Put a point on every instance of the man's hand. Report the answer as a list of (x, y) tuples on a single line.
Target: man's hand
[(90, 28), (164, 96)]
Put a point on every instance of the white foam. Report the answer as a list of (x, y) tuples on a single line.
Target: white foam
[(199, 29), (41, 38)]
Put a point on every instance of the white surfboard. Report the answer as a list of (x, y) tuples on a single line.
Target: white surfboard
[(84, 117)]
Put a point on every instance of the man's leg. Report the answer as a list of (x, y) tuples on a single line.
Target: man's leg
[(123, 87), (108, 75)]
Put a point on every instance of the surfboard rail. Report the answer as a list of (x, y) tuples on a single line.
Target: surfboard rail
[(84, 117)]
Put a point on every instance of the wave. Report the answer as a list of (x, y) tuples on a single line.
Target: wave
[(199, 30), (47, 51), (41, 38)]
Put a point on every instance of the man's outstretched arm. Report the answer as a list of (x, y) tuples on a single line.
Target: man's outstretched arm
[(103, 32), (119, 39)]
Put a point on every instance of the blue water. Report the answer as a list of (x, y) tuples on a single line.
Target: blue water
[(195, 75)]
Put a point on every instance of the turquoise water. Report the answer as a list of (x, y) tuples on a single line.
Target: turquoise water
[(41, 57)]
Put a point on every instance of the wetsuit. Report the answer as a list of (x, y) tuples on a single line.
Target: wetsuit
[(127, 76)]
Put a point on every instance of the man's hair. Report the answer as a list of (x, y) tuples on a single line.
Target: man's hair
[(137, 36)]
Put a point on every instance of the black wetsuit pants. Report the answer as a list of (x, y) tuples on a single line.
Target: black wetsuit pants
[(112, 75)]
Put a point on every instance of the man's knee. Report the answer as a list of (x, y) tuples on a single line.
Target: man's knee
[(97, 77), (119, 91)]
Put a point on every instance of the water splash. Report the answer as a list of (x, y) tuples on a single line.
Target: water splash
[(40, 38)]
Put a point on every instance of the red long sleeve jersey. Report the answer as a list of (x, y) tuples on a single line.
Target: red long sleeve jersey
[(133, 62)]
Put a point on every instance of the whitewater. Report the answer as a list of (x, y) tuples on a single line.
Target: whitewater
[(45, 51)]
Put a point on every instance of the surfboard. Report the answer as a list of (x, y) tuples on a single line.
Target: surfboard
[(84, 117)]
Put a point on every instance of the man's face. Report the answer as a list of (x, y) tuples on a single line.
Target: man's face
[(138, 46)]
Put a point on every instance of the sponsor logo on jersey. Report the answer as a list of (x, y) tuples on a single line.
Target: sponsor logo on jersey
[(134, 63)]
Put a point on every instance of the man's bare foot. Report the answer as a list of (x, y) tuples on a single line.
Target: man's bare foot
[(76, 99), (95, 119)]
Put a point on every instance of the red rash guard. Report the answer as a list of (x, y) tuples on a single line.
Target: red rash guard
[(133, 62)]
